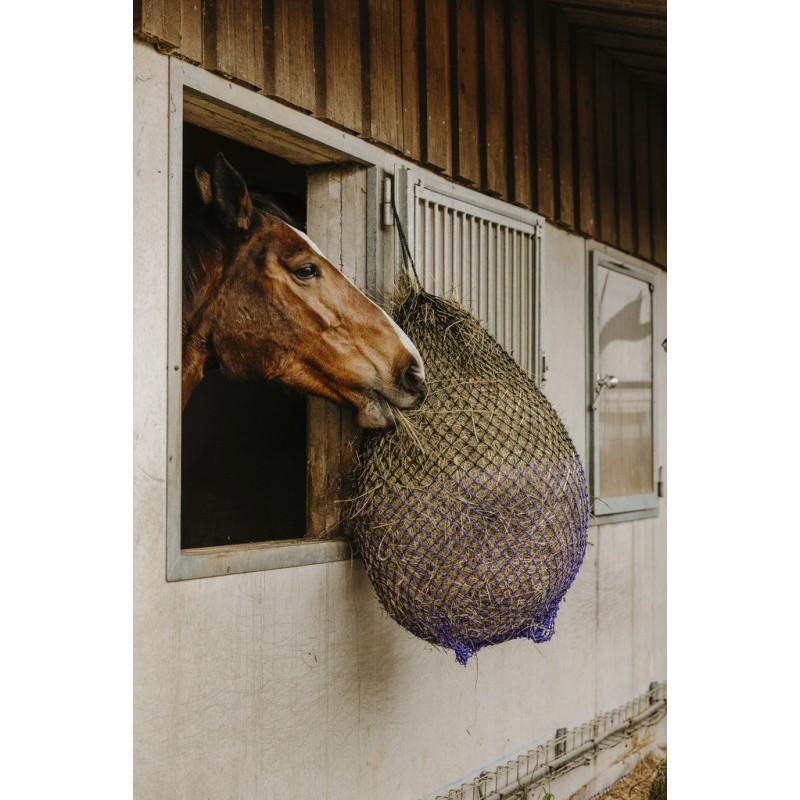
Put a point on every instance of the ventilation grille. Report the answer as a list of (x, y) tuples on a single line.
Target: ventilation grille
[(486, 261)]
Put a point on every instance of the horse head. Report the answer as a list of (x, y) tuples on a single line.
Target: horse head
[(263, 301)]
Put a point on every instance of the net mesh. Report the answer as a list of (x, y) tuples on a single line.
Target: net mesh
[(471, 514)]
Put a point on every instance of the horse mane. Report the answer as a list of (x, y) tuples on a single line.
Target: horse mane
[(204, 238)]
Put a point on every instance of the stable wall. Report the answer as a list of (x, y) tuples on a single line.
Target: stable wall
[(294, 682), (557, 106)]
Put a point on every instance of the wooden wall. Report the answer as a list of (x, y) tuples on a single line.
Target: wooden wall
[(559, 107)]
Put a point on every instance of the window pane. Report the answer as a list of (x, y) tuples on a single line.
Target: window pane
[(625, 412)]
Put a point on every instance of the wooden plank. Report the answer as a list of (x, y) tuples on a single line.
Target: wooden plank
[(652, 77), (641, 172), (542, 54), (658, 173), (631, 43), (353, 235), (622, 121), (619, 23), (342, 98), (158, 21), (255, 132), (655, 63), (467, 161), (409, 60), (323, 420), (522, 165), (332, 420), (192, 30), (238, 50), (495, 106), (337, 208), (653, 8), (606, 157), (289, 30), (385, 71), (565, 207), (438, 150), (584, 135)]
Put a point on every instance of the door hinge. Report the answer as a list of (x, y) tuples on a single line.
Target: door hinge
[(387, 217)]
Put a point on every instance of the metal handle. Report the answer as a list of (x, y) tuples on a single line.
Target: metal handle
[(603, 382)]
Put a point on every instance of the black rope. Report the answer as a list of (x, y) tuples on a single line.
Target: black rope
[(405, 250)]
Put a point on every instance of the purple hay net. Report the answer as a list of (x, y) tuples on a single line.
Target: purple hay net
[(471, 515)]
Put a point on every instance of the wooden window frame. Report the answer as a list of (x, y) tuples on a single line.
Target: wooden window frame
[(623, 509)]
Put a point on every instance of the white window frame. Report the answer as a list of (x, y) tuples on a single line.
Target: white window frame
[(616, 509), (239, 113)]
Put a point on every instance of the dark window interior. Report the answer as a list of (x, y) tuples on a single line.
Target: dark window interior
[(243, 444)]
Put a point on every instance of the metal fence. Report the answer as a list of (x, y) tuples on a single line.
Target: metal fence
[(567, 750)]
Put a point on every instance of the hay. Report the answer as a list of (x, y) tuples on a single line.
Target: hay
[(471, 514), (646, 781)]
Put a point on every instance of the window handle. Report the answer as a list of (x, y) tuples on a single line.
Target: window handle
[(603, 382)]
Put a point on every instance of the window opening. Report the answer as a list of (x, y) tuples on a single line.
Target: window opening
[(243, 444)]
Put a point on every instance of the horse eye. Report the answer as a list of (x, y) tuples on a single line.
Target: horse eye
[(306, 272)]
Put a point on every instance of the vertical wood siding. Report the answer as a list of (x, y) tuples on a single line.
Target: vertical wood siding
[(585, 158), (513, 97), (438, 116), (521, 114), (565, 211), (468, 155), (289, 30), (543, 106), (495, 82)]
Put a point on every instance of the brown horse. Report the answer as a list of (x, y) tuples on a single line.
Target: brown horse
[(261, 300)]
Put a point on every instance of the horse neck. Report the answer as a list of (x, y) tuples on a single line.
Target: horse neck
[(202, 273)]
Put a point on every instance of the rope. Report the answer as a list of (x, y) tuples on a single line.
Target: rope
[(405, 250)]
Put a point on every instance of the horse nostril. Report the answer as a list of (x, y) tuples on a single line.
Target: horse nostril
[(412, 378)]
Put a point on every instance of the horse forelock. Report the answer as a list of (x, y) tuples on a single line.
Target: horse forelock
[(205, 240)]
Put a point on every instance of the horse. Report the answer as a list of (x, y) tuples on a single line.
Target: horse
[(261, 300)]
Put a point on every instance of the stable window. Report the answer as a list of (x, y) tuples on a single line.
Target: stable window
[(621, 408), (255, 472)]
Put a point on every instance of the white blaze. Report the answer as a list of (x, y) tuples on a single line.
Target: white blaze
[(407, 343)]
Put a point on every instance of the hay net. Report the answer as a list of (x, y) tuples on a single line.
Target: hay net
[(471, 514)]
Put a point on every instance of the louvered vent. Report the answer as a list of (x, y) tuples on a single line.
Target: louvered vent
[(486, 260)]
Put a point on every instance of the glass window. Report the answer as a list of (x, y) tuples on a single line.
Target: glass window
[(622, 400)]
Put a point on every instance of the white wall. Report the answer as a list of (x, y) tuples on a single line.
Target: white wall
[(294, 683)]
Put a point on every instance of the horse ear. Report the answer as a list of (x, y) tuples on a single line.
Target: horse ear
[(230, 196), (203, 182)]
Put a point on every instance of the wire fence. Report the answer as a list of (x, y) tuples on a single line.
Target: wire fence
[(567, 750)]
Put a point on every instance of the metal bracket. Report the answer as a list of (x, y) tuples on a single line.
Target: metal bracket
[(560, 742), (387, 218), (603, 382)]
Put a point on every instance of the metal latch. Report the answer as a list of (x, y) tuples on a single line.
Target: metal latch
[(387, 218)]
